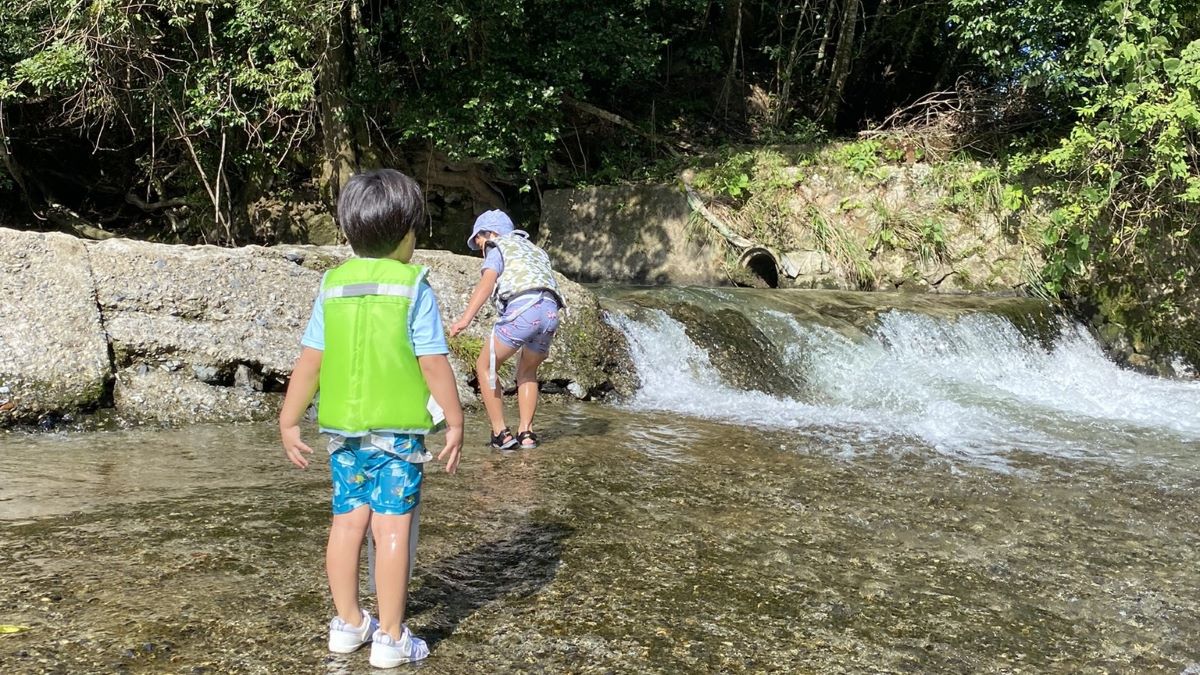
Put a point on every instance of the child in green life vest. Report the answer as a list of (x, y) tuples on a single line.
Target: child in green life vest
[(517, 276), (375, 348)]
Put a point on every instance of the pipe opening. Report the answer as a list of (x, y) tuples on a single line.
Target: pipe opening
[(761, 264)]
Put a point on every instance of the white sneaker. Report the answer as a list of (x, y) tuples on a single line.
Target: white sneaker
[(344, 638), (387, 652)]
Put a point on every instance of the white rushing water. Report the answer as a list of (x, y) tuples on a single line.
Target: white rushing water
[(974, 388)]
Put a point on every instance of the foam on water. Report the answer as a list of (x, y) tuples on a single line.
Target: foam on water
[(678, 375), (974, 387)]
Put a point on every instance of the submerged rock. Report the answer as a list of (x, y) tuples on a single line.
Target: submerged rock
[(190, 333), (739, 350)]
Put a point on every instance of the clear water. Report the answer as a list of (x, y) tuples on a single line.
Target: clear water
[(928, 491), (971, 386)]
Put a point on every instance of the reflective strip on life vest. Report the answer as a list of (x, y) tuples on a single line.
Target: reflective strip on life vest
[(357, 290)]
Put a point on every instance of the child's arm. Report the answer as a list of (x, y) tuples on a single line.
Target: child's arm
[(483, 291), (305, 377), (440, 379)]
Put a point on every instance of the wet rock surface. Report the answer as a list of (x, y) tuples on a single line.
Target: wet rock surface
[(740, 351), (627, 543), (849, 313)]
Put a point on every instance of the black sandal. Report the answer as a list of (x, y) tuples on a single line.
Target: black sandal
[(499, 443), (527, 436)]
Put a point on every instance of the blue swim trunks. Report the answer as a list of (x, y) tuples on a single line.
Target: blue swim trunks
[(377, 470)]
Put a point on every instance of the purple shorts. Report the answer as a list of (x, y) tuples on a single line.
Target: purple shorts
[(532, 328)]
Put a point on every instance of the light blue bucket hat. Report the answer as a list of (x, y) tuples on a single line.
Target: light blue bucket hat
[(490, 221)]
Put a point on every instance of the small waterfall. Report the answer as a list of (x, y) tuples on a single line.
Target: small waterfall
[(972, 386)]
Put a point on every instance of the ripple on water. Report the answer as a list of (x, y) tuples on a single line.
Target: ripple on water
[(718, 551)]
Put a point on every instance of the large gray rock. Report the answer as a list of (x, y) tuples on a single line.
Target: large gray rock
[(185, 321), (53, 354), (629, 233), (205, 306), (172, 397), (201, 333)]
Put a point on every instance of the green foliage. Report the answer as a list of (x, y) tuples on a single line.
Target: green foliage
[(893, 153), (904, 230), (249, 94), (628, 163), (774, 171), (758, 183), (230, 62), (61, 65), (487, 81), (1013, 198), (1125, 178), (861, 157), (1031, 43), (208, 93), (223, 100), (466, 348), (970, 189), (801, 131), (805, 131), (1067, 245), (729, 177), (735, 186), (843, 249), (932, 240)]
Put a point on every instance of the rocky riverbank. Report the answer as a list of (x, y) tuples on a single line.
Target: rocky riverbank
[(144, 332)]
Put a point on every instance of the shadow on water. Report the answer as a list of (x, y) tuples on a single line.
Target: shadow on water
[(515, 566), (581, 427)]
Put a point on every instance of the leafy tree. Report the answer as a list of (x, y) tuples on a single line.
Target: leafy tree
[(1126, 173), (224, 88)]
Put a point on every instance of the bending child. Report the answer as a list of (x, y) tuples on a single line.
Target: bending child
[(374, 346), (517, 275)]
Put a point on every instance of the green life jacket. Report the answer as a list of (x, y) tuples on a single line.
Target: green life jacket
[(370, 377), (526, 270)]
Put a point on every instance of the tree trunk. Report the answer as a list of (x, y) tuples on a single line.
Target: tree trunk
[(9, 163), (843, 59), (338, 134), (873, 23), (727, 88), (784, 105), (823, 50)]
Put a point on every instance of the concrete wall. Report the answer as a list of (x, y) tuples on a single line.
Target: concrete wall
[(628, 234)]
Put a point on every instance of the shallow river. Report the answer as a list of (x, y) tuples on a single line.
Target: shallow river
[(725, 530), (629, 542)]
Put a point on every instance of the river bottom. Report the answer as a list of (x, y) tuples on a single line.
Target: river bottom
[(629, 542)]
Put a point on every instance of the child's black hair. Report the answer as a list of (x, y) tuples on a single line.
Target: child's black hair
[(377, 209)]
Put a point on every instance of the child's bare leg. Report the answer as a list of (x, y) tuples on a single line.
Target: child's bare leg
[(527, 387), (341, 561), (493, 402), (413, 532), (392, 560)]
